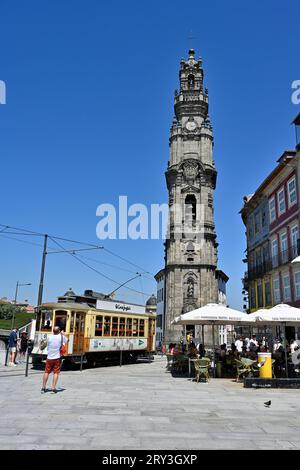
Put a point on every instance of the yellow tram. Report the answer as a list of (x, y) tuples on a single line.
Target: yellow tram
[(95, 334)]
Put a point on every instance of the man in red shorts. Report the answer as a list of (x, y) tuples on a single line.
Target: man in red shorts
[(53, 362)]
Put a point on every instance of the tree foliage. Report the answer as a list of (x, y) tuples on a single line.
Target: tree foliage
[(7, 311)]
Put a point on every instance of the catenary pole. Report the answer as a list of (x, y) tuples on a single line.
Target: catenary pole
[(41, 286)]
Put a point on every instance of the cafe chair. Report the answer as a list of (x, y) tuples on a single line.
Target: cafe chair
[(202, 368)]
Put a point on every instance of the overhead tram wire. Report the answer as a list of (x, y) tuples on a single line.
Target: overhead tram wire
[(115, 267), (28, 232), (31, 232), (95, 270), (21, 241), (108, 264), (129, 262), (3, 235)]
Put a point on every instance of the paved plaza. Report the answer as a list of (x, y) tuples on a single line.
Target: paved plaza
[(142, 406)]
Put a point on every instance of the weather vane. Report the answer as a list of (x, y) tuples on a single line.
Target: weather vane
[(191, 37)]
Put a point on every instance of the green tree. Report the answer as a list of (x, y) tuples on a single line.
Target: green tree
[(7, 311)]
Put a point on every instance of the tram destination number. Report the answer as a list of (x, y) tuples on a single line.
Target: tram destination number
[(151, 459)]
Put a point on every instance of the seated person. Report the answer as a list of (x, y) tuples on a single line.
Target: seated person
[(222, 353), (201, 350), (234, 352), (252, 355), (47, 325), (177, 350), (192, 352)]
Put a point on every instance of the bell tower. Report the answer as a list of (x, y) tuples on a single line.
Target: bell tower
[(190, 247)]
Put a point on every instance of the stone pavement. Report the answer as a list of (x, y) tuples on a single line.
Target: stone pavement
[(142, 406)]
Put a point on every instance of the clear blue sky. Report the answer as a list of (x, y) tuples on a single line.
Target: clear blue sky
[(90, 88)]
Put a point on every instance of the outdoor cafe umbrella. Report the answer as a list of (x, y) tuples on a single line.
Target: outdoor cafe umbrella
[(282, 314), (213, 314)]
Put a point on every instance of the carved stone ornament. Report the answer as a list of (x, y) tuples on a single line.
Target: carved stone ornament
[(190, 171)]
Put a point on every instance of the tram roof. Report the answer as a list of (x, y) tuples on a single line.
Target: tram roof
[(67, 305), (78, 306)]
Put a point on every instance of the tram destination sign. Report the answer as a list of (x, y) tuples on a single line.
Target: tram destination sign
[(120, 307)]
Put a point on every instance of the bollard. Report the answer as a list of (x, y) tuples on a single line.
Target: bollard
[(81, 361), (120, 357), (29, 351), (27, 363), (6, 357)]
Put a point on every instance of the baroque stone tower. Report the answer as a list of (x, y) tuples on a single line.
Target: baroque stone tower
[(190, 247)]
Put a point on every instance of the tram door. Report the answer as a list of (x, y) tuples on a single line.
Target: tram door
[(78, 338), (151, 333)]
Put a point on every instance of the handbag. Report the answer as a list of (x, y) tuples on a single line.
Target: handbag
[(43, 344), (63, 348)]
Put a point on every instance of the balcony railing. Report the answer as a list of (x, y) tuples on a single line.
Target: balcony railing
[(273, 262)]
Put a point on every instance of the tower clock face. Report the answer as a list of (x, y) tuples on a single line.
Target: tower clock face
[(191, 125)]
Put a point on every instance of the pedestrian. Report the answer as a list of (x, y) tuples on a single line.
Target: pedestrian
[(53, 361), (253, 344), (239, 345), (12, 345), (23, 346), (294, 346), (247, 343)]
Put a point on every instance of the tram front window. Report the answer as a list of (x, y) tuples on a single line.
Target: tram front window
[(61, 320), (44, 320)]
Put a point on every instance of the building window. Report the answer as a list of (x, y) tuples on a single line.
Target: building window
[(272, 209), (191, 81), (258, 258), (252, 297), (276, 290), (294, 240), (268, 293), (266, 255), (250, 227), (292, 192), (284, 247), (259, 295), (281, 201), (286, 287), (257, 223), (297, 284), (274, 252), (190, 209)]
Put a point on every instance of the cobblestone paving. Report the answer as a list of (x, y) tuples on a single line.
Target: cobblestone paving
[(142, 406)]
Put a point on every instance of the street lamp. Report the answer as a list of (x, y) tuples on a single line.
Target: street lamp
[(15, 301)]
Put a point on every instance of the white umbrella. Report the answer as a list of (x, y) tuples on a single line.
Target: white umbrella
[(280, 314), (213, 314)]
